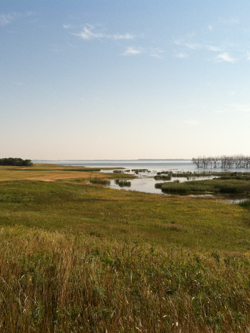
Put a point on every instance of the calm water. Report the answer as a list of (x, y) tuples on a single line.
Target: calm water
[(145, 181), (157, 165), (147, 184)]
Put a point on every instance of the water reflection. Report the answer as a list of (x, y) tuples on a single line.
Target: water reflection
[(148, 184), (123, 183)]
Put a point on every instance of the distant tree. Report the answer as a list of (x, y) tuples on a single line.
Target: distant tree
[(14, 161)]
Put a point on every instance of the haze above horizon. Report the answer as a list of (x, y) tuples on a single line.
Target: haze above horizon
[(88, 80)]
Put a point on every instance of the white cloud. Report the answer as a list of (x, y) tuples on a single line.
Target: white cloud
[(197, 46), (90, 32), (9, 18), (6, 19), (181, 55), (125, 36), (192, 46), (210, 27), (157, 53), (248, 55), (230, 21), (225, 57), (67, 26), (213, 48), (132, 51)]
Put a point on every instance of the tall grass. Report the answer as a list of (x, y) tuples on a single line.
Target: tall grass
[(52, 282), (216, 185), (100, 181)]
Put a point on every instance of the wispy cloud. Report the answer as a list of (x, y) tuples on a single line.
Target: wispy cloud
[(133, 51), (6, 19), (125, 36), (193, 46), (230, 21), (248, 55), (68, 26), (210, 27), (157, 53), (181, 55), (213, 48), (91, 32), (197, 46), (225, 57)]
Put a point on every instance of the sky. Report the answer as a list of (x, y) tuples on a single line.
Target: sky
[(123, 79)]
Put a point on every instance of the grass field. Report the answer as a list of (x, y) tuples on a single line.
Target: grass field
[(78, 257)]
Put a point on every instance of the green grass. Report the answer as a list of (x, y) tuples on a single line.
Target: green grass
[(100, 181), (123, 182), (217, 185), (57, 282), (202, 223), (77, 257)]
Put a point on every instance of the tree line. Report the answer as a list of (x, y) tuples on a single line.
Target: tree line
[(15, 161), (225, 162)]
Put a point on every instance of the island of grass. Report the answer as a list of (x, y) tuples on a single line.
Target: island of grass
[(79, 257), (230, 184)]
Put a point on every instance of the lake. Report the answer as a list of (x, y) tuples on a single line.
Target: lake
[(157, 165), (145, 181)]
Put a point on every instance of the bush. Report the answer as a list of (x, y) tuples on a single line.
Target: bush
[(100, 181), (11, 161)]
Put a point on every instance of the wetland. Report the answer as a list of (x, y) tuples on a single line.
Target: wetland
[(77, 256)]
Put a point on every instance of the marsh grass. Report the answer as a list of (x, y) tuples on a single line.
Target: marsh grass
[(82, 258), (100, 181), (123, 182), (56, 282), (245, 204), (217, 185), (77, 207), (162, 177)]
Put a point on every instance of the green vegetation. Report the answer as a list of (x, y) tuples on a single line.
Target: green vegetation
[(245, 204), (122, 182), (100, 181), (52, 282), (118, 171), (77, 257), (137, 171), (217, 186), (163, 177), (14, 161)]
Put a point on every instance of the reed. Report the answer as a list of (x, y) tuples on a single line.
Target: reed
[(123, 182), (217, 185), (56, 282), (82, 258), (100, 181), (162, 177)]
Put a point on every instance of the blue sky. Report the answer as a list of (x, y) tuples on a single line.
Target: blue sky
[(124, 79)]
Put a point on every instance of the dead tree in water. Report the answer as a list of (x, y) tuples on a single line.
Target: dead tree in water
[(224, 162)]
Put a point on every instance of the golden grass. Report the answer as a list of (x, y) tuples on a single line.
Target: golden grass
[(81, 258), (55, 282), (48, 173)]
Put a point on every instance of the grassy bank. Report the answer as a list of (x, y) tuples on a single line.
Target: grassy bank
[(77, 257), (227, 184)]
